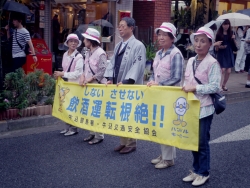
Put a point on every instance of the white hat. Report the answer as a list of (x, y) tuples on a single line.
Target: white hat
[(92, 34), (203, 30), (167, 27), (72, 36)]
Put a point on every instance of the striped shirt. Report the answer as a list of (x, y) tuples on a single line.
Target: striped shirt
[(176, 68), (23, 36)]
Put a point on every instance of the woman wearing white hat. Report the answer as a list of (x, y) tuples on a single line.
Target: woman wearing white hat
[(72, 64), (94, 68), (202, 76), (168, 69)]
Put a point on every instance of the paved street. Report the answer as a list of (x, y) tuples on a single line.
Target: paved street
[(42, 158)]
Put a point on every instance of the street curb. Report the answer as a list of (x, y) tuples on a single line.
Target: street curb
[(28, 122), (237, 95)]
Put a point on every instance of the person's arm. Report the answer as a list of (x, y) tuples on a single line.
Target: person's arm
[(136, 71), (102, 64), (33, 53), (214, 79), (176, 71), (8, 31)]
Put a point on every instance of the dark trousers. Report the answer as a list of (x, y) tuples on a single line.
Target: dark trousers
[(18, 62), (201, 163), (247, 63)]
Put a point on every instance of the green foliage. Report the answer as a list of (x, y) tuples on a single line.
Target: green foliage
[(183, 17), (24, 90), (200, 13), (151, 50)]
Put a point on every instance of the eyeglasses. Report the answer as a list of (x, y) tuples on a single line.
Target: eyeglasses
[(121, 26)]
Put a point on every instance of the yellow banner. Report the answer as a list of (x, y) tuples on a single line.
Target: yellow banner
[(165, 115)]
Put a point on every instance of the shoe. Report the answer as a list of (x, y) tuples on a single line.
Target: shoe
[(95, 141), (164, 164), (191, 177), (157, 160), (200, 180), (119, 148), (237, 72), (242, 71), (70, 133), (64, 131), (247, 86), (127, 150), (90, 137), (224, 88)]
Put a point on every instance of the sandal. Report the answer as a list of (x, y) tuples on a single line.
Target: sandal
[(90, 137), (95, 141), (224, 88)]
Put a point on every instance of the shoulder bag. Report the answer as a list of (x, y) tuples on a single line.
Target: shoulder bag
[(66, 79), (26, 46), (218, 99)]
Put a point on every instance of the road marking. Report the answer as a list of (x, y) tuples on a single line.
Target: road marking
[(240, 134)]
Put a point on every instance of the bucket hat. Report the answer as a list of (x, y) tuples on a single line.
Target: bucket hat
[(167, 27), (72, 36), (92, 34), (203, 30)]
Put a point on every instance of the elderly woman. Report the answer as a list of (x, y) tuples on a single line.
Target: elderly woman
[(207, 70), (72, 64), (94, 68), (168, 69)]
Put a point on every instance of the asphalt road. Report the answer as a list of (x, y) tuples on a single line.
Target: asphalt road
[(43, 158)]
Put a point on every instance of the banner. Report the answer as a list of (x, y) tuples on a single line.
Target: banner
[(166, 115)]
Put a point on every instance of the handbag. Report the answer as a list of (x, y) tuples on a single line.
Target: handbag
[(66, 79), (25, 48), (219, 100)]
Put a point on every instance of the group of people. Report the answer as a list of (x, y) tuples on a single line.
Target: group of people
[(228, 42), (127, 67)]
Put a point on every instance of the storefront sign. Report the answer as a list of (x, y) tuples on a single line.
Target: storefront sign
[(166, 115), (122, 14)]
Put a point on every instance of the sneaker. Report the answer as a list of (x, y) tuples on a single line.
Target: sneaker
[(157, 160), (70, 133), (191, 177), (64, 131), (200, 180), (247, 86), (164, 164)]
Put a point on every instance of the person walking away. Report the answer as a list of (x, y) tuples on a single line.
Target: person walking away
[(207, 70), (241, 56), (94, 68), (127, 67), (167, 71), (247, 51), (20, 38), (72, 64), (225, 51)]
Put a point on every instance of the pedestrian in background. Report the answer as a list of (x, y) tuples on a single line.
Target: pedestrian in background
[(72, 64), (20, 38), (94, 68), (247, 51), (225, 54), (241, 55), (207, 70), (127, 67), (167, 71)]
